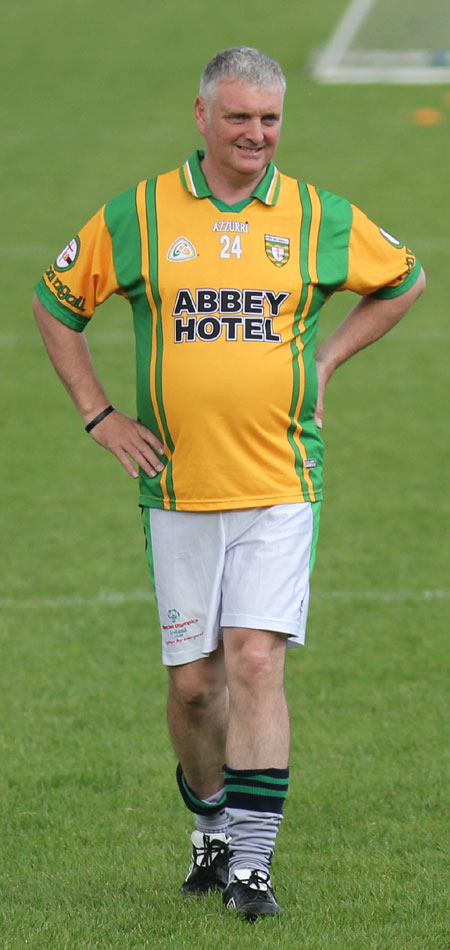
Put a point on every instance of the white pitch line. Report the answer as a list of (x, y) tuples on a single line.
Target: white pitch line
[(330, 57), (103, 337), (353, 17), (102, 599), (388, 597), (119, 598)]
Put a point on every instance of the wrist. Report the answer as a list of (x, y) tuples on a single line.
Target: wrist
[(98, 418), (325, 366)]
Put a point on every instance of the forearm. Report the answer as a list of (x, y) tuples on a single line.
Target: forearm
[(125, 437), (69, 353), (369, 320)]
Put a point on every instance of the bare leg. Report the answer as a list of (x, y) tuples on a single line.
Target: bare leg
[(197, 713), (258, 731)]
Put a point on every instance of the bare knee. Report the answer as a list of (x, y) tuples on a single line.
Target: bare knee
[(196, 685), (255, 658)]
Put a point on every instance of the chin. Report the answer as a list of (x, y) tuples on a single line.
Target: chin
[(254, 163)]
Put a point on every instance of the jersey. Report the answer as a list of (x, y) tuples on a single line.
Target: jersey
[(225, 303)]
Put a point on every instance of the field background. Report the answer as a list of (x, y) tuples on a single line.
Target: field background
[(94, 838)]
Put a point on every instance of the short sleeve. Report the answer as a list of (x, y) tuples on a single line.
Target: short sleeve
[(377, 262), (82, 276)]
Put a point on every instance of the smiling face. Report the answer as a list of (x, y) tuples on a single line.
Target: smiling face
[(241, 126)]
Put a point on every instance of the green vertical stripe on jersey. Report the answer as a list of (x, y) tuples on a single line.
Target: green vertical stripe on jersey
[(123, 225), (304, 244), (153, 257), (311, 435), (337, 215)]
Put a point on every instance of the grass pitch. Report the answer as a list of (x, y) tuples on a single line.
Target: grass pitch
[(94, 837)]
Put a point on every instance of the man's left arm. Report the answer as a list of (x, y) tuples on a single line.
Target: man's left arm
[(369, 320)]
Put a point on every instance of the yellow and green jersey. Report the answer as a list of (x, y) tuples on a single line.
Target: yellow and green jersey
[(225, 303)]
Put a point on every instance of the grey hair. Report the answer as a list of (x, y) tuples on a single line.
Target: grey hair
[(241, 64)]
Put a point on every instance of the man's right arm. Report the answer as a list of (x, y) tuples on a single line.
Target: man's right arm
[(122, 435)]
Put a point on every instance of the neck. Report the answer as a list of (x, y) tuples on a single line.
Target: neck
[(230, 190)]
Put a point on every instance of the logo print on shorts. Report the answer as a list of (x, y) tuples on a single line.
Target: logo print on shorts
[(278, 249), (181, 250), (173, 614), (69, 255)]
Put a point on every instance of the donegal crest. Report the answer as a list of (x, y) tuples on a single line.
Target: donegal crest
[(277, 249)]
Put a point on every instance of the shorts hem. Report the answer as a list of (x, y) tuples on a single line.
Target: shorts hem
[(180, 659), (260, 623)]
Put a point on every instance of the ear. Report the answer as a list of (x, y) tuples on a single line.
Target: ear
[(200, 114)]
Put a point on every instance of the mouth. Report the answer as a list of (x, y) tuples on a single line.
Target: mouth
[(247, 150)]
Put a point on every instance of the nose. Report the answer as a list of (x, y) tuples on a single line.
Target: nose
[(254, 131)]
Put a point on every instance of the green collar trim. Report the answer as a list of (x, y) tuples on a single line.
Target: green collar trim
[(194, 181)]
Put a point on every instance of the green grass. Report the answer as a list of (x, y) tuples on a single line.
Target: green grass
[(94, 838)]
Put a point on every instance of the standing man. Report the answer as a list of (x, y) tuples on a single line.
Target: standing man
[(226, 263)]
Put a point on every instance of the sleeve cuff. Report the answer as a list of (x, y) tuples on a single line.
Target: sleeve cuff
[(387, 293), (73, 320)]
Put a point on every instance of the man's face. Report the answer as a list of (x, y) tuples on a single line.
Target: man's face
[(241, 126)]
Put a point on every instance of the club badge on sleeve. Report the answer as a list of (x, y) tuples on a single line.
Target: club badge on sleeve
[(68, 255)]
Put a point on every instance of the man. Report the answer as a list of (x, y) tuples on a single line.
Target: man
[(226, 263)]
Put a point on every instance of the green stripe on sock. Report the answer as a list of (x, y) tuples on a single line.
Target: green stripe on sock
[(261, 777), (257, 791)]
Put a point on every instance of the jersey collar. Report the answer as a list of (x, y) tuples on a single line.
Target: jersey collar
[(195, 183)]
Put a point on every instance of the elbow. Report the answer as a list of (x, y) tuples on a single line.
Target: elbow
[(420, 283), (38, 308), (43, 316)]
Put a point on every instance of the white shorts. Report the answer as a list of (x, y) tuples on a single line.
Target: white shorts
[(245, 568)]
